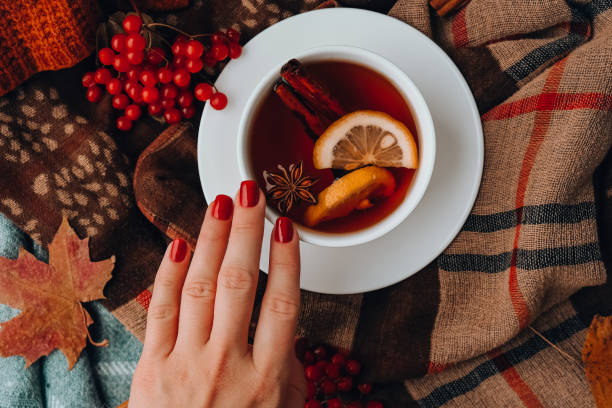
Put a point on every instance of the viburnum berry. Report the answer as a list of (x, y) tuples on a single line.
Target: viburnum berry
[(123, 123), (345, 384), (185, 98), (339, 359), (209, 59), (120, 101), (134, 91), (169, 91), (203, 92), (121, 63), (155, 55), (218, 100), (233, 35), (135, 42), (148, 78), (194, 65), (354, 404), (181, 77), (94, 93), (353, 367), (365, 388), (320, 352), (188, 111), (132, 23), (332, 370), (164, 75), (88, 79), (133, 74), (235, 50), (172, 116), (219, 51), (106, 56), (102, 76), (322, 364), (374, 404), (150, 94), (118, 42), (328, 387), (179, 47), (217, 38), (313, 404), (308, 355), (312, 373), (167, 103), (179, 61), (194, 49), (311, 389), (114, 86), (334, 403), (155, 109), (133, 112), (135, 57)]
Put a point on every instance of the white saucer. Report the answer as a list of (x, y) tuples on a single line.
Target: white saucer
[(459, 156)]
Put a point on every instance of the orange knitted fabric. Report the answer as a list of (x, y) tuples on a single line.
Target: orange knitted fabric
[(44, 35)]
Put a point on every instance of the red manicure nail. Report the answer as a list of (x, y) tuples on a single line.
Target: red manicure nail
[(222, 207), (283, 231), (178, 250), (249, 193)]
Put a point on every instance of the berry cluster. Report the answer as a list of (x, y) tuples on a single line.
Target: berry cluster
[(331, 379), (141, 77)]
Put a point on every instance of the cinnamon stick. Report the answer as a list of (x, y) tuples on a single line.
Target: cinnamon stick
[(444, 7), (314, 124)]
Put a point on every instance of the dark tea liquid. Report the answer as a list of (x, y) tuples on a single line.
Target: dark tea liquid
[(278, 137)]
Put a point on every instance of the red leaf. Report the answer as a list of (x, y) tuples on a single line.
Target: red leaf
[(49, 297)]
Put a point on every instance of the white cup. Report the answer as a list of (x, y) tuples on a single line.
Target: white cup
[(424, 130)]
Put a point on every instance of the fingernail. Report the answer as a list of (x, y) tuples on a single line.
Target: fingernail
[(222, 207), (283, 231), (178, 250), (249, 193)]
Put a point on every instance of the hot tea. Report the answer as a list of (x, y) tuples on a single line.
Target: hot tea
[(297, 113)]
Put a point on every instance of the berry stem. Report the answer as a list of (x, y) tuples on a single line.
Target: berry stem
[(202, 35), (160, 36), (135, 7), (167, 26)]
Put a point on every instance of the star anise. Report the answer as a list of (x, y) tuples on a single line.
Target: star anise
[(289, 186)]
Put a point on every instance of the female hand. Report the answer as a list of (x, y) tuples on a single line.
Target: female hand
[(195, 351)]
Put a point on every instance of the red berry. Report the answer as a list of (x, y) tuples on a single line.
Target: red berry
[(365, 388), (102, 75), (313, 373), (328, 387), (353, 367), (188, 111), (169, 91), (148, 78), (218, 38), (345, 384), (194, 49), (88, 79), (106, 56), (203, 92), (233, 35), (150, 94), (209, 59), (155, 55), (320, 352), (164, 75), (118, 42), (339, 358), (334, 403), (235, 50), (120, 101), (121, 63), (134, 91), (220, 51), (311, 389), (135, 57), (123, 123), (172, 116), (133, 112), (332, 370), (322, 364), (114, 86), (155, 109), (181, 77), (132, 23), (167, 103), (313, 404), (135, 42), (374, 404), (194, 65), (185, 98), (354, 404), (133, 74), (94, 94), (308, 356), (179, 47), (218, 101), (179, 61)]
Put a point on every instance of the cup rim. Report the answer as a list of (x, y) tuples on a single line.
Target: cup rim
[(425, 134)]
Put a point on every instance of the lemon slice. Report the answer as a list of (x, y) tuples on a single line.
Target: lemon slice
[(365, 138), (349, 193)]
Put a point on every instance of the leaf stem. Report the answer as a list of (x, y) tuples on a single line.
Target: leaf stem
[(563, 353), (102, 343)]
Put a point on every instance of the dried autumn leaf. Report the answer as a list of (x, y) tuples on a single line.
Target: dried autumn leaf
[(49, 297), (597, 359)]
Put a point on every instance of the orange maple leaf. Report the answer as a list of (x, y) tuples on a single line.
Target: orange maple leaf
[(49, 297), (597, 358)]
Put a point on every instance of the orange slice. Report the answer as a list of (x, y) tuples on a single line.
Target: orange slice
[(349, 192), (365, 138)]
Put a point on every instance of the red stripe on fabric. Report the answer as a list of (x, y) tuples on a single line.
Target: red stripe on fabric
[(144, 298), (514, 379), (542, 123), (434, 368), (459, 29), (559, 101)]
